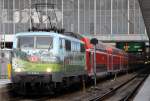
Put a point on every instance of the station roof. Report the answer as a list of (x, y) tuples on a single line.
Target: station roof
[(145, 9)]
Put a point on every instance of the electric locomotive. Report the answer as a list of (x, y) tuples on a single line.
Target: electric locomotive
[(47, 58)]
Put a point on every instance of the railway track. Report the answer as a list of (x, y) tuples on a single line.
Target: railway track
[(131, 94), (106, 90), (74, 95), (123, 92)]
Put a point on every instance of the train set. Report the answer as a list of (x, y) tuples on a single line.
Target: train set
[(51, 59)]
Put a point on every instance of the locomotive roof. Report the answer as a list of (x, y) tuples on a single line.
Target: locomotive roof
[(47, 33)]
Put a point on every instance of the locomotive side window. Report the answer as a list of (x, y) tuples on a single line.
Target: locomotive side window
[(78, 47), (75, 46), (68, 45), (44, 42), (26, 42)]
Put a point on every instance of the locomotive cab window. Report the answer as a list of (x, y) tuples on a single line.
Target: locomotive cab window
[(26, 42), (68, 45), (44, 42)]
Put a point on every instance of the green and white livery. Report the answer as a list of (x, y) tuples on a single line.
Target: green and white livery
[(46, 57)]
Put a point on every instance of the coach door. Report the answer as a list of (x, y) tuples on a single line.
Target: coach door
[(120, 58), (109, 62)]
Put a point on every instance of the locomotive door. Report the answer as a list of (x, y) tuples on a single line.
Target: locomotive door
[(62, 49), (89, 62)]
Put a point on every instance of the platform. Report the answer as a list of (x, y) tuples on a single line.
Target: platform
[(4, 82), (144, 93)]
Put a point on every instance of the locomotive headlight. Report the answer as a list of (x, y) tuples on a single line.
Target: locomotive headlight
[(48, 70), (17, 69)]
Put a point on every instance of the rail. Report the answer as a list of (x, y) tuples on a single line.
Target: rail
[(131, 94), (125, 98)]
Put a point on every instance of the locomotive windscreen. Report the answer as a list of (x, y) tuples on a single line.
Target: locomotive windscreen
[(26, 42), (39, 42)]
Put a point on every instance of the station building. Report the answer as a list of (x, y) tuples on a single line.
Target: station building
[(108, 20)]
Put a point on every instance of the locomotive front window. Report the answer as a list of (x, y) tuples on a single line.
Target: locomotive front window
[(44, 42), (26, 42)]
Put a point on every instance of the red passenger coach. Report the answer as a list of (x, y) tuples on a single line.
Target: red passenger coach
[(108, 59)]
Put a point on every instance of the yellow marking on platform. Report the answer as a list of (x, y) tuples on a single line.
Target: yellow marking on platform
[(9, 70)]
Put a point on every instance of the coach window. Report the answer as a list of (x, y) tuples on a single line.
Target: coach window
[(68, 45)]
